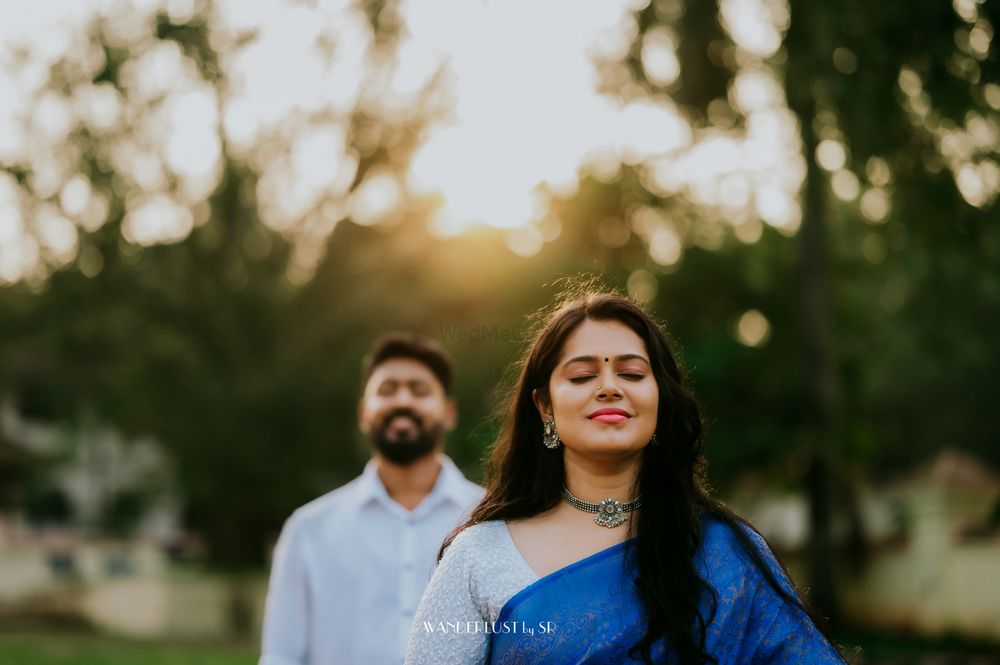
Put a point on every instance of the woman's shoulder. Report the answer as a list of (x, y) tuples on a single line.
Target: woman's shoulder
[(477, 538), (727, 545), (727, 529)]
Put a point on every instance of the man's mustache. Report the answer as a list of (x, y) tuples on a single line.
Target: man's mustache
[(405, 413)]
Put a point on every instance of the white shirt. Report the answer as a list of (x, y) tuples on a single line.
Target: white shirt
[(350, 567)]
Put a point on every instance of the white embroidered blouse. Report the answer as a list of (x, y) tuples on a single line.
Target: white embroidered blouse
[(480, 571)]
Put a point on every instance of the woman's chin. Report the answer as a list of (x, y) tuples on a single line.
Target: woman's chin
[(607, 447)]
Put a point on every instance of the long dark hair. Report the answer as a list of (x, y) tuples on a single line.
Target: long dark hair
[(524, 478)]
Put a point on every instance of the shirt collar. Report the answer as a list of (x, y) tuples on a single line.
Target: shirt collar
[(448, 486)]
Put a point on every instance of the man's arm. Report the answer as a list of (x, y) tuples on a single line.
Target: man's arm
[(286, 614)]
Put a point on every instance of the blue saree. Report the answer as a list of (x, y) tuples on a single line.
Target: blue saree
[(590, 612)]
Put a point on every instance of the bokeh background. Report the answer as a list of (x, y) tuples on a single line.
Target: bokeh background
[(209, 209)]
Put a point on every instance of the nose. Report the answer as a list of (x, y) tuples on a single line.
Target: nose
[(609, 389), (403, 397)]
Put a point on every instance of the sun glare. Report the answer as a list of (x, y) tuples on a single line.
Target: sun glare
[(516, 116)]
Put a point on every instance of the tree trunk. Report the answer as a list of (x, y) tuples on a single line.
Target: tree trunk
[(816, 311)]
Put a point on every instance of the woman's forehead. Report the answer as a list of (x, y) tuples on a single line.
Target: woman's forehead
[(605, 339)]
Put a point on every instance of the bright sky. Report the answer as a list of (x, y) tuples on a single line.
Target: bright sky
[(525, 115), (527, 112)]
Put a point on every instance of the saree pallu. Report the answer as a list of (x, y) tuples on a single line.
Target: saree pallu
[(590, 612), (587, 612)]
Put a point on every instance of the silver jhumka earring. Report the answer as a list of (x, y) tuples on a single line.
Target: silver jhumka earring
[(549, 435)]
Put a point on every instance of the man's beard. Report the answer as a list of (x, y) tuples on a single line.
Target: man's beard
[(407, 448)]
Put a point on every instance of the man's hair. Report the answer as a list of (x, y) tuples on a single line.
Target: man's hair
[(409, 345)]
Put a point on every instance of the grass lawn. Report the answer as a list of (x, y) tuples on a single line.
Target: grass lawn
[(878, 648), (59, 648), (74, 648)]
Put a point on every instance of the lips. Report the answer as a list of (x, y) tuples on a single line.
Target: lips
[(610, 416), (401, 424)]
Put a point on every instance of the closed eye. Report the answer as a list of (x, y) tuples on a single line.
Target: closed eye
[(633, 377), (581, 379)]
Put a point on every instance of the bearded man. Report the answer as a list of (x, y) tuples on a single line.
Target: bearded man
[(350, 566)]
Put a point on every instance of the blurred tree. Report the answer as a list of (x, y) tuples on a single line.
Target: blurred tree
[(883, 98), (194, 335)]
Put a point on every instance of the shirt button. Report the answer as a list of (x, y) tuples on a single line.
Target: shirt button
[(407, 613), (407, 566)]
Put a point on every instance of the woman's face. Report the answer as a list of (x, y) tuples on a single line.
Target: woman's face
[(603, 395)]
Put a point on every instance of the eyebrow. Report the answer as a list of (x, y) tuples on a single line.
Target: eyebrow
[(408, 382), (594, 359)]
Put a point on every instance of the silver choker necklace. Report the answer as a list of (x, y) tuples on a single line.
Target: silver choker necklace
[(609, 512)]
